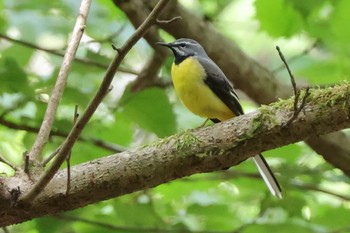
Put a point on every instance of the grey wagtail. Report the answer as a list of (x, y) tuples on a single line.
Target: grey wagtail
[(204, 90)]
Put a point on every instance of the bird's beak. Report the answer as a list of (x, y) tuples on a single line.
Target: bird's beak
[(164, 44)]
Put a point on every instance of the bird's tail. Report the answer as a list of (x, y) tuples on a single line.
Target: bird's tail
[(268, 176)]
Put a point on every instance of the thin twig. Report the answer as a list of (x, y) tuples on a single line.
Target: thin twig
[(26, 162), (132, 228), (8, 163), (148, 75), (61, 81), (227, 175), (110, 37), (115, 48), (162, 22), (295, 89), (61, 54), (51, 156), (318, 189), (91, 108), (296, 57), (297, 109), (75, 118), (97, 142)]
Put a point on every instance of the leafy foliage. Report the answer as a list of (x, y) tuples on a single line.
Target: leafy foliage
[(227, 201)]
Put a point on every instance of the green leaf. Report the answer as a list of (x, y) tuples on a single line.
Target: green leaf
[(74, 96), (182, 189), (209, 215), (120, 131), (278, 18), (126, 212), (322, 72), (289, 153), (307, 7), (334, 218), (13, 78), (339, 21), (151, 110), (14, 50), (47, 224), (282, 228)]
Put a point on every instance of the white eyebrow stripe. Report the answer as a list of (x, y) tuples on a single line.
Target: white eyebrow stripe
[(186, 42)]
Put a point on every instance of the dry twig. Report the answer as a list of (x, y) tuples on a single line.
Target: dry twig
[(91, 108), (75, 118), (297, 109), (61, 54), (61, 81)]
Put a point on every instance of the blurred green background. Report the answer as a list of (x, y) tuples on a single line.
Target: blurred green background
[(315, 34)]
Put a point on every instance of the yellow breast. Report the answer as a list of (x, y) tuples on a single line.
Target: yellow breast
[(188, 79)]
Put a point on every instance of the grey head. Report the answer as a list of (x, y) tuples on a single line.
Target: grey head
[(184, 48)]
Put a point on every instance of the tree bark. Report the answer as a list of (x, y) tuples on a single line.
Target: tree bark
[(256, 81), (196, 151)]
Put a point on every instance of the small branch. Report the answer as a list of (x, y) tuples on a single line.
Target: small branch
[(148, 76), (115, 48), (61, 81), (230, 174), (97, 142), (60, 54), (110, 38), (289, 71), (163, 22), (91, 108), (26, 162), (131, 228), (297, 109), (51, 156), (296, 57), (8, 163), (318, 189), (75, 118)]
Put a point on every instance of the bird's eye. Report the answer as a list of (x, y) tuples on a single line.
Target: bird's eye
[(182, 45)]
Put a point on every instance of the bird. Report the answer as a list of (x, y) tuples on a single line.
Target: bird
[(205, 90)]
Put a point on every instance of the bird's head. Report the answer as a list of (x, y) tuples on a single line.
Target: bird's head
[(184, 48)]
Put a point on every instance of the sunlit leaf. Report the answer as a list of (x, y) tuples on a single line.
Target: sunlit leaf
[(278, 18), (151, 110)]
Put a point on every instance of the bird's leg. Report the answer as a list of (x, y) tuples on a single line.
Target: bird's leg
[(204, 123)]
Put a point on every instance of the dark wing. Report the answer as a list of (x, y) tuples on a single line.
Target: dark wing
[(219, 84)]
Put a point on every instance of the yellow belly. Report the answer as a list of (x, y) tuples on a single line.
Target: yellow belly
[(195, 94)]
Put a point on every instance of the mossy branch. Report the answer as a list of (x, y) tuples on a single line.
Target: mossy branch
[(195, 151)]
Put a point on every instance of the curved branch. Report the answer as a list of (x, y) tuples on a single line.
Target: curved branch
[(60, 54), (196, 151), (57, 92), (97, 142), (94, 103)]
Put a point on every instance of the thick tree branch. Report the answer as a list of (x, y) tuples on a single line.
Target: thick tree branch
[(196, 151), (255, 80), (61, 81)]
